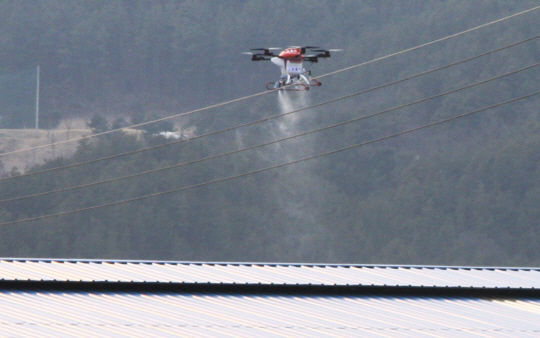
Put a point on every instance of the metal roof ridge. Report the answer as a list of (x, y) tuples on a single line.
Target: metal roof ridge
[(272, 288), (281, 264)]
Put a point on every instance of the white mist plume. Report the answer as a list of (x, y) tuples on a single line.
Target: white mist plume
[(299, 191)]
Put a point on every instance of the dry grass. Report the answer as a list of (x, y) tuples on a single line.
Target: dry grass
[(23, 142), (20, 139)]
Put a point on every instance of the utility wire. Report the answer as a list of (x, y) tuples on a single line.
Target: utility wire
[(137, 125), (271, 117), (265, 92), (274, 141), (432, 42), (271, 167)]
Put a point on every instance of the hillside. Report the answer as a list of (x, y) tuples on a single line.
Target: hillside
[(342, 179), (19, 139)]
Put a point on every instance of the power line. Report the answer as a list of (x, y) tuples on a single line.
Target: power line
[(136, 125), (431, 42), (275, 141), (284, 114), (271, 117), (271, 167), (265, 92)]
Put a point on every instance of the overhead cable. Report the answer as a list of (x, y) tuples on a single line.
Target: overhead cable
[(265, 92), (268, 168), (274, 141), (431, 42), (270, 117)]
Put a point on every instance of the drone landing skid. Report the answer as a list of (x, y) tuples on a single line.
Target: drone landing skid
[(296, 87), (290, 88)]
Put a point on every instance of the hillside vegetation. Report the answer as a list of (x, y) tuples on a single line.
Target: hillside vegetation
[(465, 192)]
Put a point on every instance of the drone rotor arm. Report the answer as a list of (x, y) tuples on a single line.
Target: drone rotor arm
[(325, 53), (266, 51), (259, 57), (311, 58)]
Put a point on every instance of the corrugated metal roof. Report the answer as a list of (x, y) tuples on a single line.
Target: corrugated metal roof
[(34, 310), (267, 274), (106, 314)]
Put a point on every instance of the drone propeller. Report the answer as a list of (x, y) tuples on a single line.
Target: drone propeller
[(327, 50), (266, 56), (322, 53), (269, 48), (265, 51)]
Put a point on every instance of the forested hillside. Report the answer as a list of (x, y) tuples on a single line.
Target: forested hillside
[(462, 192)]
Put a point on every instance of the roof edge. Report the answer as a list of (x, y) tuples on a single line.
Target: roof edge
[(342, 265), (289, 289)]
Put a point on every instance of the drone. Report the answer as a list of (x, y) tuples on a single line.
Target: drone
[(293, 75)]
